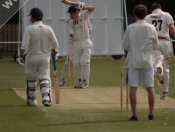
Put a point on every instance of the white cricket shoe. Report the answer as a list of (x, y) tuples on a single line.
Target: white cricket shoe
[(47, 103), (61, 83), (84, 84), (159, 75), (79, 84), (32, 103), (163, 95)]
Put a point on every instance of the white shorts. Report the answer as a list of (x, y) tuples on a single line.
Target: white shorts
[(144, 77)]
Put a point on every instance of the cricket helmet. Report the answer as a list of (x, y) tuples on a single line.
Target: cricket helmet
[(72, 9)]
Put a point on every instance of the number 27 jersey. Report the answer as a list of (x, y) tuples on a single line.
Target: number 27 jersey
[(161, 20)]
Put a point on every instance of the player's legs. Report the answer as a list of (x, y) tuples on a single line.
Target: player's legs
[(147, 80), (85, 67), (133, 100), (133, 81), (31, 92), (151, 100), (146, 77), (31, 76), (45, 81), (64, 74), (165, 47), (76, 62), (45, 88), (85, 62), (158, 66)]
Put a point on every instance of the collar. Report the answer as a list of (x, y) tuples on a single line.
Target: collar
[(140, 21), (37, 22), (156, 10)]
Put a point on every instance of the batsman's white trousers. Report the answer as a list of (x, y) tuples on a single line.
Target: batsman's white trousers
[(162, 59), (83, 48), (37, 66), (143, 77)]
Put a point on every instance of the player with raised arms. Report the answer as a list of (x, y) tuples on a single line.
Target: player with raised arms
[(82, 44)]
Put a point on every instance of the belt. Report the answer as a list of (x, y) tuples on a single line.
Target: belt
[(160, 37)]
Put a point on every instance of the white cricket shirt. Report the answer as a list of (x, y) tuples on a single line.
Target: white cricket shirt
[(161, 20), (140, 40), (81, 30), (39, 39)]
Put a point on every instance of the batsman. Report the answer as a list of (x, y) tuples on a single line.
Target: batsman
[(82, 44), (64, 74), (38, 40)]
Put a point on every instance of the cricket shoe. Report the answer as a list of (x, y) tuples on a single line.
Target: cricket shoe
[(151, 117), (61, 83), (133, 118), (31, 103), (159, 75), (47, 103), (84, 85), (79, 84), (163, 95)]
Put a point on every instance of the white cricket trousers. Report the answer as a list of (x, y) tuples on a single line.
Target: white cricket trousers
[(82, 53), (162, 59), (37, 66)]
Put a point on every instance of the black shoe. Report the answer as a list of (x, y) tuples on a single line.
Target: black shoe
[(133, 118), (151, 117)]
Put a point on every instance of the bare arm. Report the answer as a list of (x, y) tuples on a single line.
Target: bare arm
[(172, 29)]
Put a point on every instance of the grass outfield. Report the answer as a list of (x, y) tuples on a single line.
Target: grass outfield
[(15, 116)]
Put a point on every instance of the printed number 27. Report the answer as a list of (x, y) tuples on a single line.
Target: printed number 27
[(155, 22)]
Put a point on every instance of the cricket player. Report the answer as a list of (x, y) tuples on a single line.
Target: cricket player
[(140, 40), (38, 40), (70, 50), (82, 44), (163, 22)]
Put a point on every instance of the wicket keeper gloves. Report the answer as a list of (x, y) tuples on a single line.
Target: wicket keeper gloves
[(80, 5), (20, 61)]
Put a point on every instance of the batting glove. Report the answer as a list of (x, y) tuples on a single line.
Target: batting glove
[(20, 61), (56, 53), (80, 5)]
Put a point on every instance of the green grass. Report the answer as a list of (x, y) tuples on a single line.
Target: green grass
[(15, 116)]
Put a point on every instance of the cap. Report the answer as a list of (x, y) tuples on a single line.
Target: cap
[(72, 9), (36, 13)]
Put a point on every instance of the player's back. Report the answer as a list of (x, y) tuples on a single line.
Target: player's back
[(161, 21), (39, 35)]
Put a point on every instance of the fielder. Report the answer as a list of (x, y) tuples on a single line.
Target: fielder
[(140, 40), (38, 40), (82, 44), (70, 50), (163, 21)]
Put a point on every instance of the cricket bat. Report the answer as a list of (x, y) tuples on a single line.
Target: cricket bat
[(56, 82), (67, 2)]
